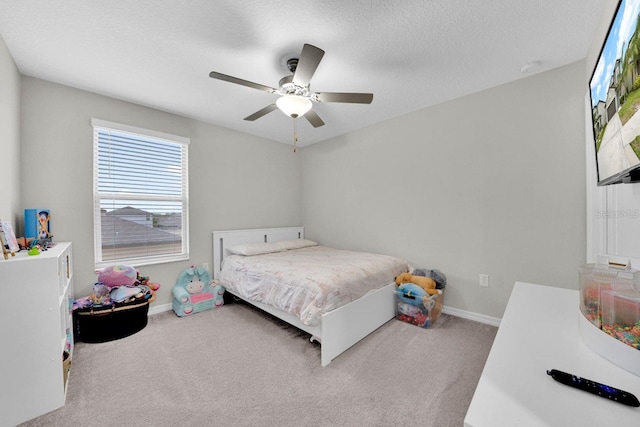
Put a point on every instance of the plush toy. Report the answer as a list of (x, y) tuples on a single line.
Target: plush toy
[(426, 283), (437, 276), (127, 293), (413, 294), (118, 275), (194, 292)]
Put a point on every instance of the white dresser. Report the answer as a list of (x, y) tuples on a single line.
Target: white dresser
[(36, 327), (539, 331)]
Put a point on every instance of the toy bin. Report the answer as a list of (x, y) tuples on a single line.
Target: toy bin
[(419, 310), (621, 316), (102, 324)]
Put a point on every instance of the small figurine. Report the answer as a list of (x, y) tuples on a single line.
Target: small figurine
[(43, 225)]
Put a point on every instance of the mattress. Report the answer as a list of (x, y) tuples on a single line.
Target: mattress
[(311, 281)]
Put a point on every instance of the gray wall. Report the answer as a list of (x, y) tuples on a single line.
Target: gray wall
[(235, 180), (491, 183), (9, 136)]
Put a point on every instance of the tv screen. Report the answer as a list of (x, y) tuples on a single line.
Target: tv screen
[(615, 99)]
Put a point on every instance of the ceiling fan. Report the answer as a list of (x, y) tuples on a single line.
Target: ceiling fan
[(296, 97)]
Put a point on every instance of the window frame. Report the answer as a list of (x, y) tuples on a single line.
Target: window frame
[(99, 262)]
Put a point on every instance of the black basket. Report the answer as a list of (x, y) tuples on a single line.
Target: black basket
[(102, 324)]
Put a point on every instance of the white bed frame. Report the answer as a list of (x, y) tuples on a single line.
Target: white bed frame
[(339, 329)]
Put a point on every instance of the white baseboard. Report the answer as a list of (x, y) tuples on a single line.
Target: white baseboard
[(493, 321), (155, 309)]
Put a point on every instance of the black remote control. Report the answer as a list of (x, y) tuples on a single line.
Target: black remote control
[(601, 390)]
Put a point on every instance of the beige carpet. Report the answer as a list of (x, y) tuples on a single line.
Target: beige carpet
[(236, 366)]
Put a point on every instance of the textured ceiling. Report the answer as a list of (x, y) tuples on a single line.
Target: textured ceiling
[(410, 54)]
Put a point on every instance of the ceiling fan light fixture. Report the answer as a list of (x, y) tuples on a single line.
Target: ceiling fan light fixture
[(293, 105)]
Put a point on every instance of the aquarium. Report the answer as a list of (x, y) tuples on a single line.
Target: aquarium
[(610, 313)]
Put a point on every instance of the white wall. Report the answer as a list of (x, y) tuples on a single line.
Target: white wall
[(491, 183), (235, 180), (9, 136)]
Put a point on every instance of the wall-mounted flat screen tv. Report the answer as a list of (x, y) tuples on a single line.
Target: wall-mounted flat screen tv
[(615, 99)]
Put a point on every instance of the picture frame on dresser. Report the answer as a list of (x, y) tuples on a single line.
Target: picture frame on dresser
[(8, 239), (10, 235)]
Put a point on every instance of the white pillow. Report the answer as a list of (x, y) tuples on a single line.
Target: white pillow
[(249, 249), (294, 244)]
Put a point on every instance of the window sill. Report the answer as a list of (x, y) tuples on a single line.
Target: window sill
[(139, 262)]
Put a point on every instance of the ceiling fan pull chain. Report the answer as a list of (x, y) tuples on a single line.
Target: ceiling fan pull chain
[(295, 133)]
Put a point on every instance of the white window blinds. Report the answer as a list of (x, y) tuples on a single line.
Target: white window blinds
[(140, 195)]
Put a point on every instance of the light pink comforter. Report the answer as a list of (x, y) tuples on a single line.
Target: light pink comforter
[(311, 281)]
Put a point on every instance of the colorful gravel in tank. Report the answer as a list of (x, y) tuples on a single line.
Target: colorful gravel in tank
[(629, 335)]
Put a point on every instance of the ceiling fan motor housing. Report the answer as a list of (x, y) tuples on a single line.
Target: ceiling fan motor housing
[(287, 87)]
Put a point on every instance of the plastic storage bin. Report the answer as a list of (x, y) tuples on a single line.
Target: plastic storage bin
[(419, 311)]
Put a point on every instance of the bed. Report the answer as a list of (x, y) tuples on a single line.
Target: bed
[(326, 317)]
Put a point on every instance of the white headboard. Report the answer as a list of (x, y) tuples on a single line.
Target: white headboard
[(228, 238)]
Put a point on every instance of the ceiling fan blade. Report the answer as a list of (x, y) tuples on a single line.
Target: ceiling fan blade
[(355, 98), (260, 113), (314, 119), (236, 80), (307, 63)]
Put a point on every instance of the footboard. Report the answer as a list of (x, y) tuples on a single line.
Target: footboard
[(345, 326)]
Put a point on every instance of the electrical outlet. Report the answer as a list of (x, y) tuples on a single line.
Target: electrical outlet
[(205, 265), (484, 280)]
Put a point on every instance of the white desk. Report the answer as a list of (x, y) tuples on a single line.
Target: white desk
[(539, 331)]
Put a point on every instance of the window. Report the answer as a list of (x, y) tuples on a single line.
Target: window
[(141, 199)]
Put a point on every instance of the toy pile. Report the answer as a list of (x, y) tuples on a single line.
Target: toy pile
[(419, 296), (117, 307), (119, 285)]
